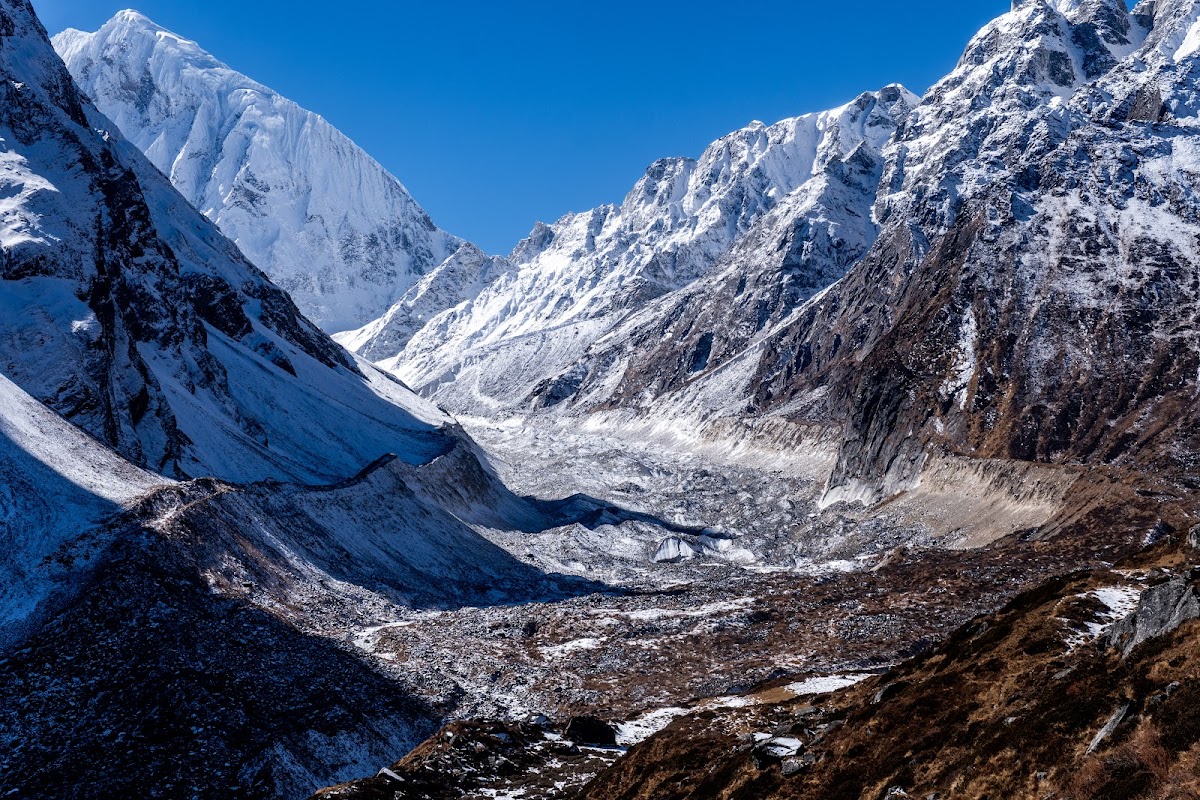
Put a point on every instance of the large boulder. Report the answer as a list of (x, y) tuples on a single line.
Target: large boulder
[(1161, 610), (591, 731)]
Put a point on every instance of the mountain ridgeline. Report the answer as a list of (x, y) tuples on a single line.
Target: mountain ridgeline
[(802, 406), (1006, 269), (305, 204)]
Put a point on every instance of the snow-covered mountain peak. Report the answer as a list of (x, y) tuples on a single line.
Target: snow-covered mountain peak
[(326, 221), (127, 312), (141, 34), (1174, 34), (1010, 92)]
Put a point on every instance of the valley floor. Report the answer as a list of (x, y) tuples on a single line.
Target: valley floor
[(729, 587)]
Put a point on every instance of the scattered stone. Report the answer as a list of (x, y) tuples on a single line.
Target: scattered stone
[(1159, 698), (1116, 719), (775, 750), (891, 690)]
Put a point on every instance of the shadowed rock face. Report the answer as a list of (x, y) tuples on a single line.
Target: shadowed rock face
[(197, 639), (1161, 610), (149, 685)]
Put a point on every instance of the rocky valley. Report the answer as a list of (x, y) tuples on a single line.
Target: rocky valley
[(856, 458)]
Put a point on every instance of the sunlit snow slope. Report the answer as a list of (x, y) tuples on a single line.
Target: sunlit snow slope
[(302, 201), (571, 282)]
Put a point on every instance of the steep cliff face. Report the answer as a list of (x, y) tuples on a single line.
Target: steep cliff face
[(305, 204), (1034, 292), (128, 313)]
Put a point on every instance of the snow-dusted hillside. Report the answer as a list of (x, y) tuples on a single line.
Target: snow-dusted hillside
[(329, 225), (129, 313), (571, 282)]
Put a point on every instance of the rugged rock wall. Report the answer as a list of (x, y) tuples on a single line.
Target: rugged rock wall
[(1033, 291)]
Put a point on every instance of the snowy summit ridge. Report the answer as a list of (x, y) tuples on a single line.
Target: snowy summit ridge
[(572, 281), (127, 312), (305, 204)]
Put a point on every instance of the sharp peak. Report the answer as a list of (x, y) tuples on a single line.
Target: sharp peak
[(897, 87), (130, 16), (131, 20), (132, 24)]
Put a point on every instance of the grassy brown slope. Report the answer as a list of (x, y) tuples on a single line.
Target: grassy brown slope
[(1003, 709)]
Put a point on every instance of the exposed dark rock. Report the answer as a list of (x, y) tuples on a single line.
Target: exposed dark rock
[(591, 731), (1161, 610)]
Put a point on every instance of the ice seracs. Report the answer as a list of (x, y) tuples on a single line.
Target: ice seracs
[(305, 204)]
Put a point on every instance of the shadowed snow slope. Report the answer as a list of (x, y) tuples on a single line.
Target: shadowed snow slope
[(56, 484), (131, 315), (303, 202)]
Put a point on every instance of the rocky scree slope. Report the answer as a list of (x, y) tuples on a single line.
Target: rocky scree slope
[(1033, 290), (1081, 688), (786, 628), (569, 283), (305, 204)]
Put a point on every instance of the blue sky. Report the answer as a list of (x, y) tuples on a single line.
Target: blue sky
[(496, 115)]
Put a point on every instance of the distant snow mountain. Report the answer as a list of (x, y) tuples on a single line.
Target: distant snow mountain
[(328, 224), (462, 276), (570, 283)]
